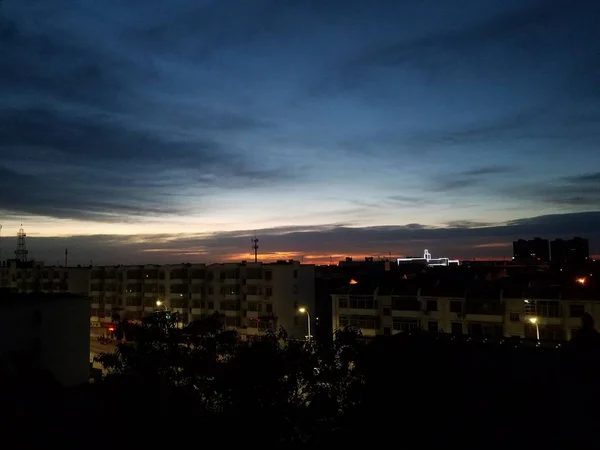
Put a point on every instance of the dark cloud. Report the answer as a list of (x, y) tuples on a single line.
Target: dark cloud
[(77, 135), (571, 192), (463, 240), (520, 31), (468, 178)]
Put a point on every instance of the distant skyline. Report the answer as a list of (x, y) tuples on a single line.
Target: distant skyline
[(173, 131)]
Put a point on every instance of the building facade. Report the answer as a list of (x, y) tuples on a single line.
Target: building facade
[(570, 251), (556, 316), (251, 297), (51, 331), (534, 251)]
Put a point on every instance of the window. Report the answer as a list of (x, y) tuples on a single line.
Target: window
[(230, 306), (576, 310), (432, 305), (552, 333), (268, 275), (432, 326), (514, 316), (364, 322), (405, 304), (269, 291), (254, 290), (232, 321), (387, 331), (264, 326), (295, 273), (363, 303), (387, 312), (295, 289), (343, 302), (457, 328), (211, 305), (486, 330), (455, 306), (254, 306), (405, 324), (269, 308), (548, 309)]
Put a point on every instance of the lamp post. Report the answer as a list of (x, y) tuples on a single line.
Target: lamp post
[(305, 311), (534, 321)]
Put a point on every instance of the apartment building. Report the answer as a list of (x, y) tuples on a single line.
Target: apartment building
[(485, 310), (252, 297), (34, 276)]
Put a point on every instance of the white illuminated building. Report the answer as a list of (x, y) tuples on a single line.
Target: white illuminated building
[(428, 260)]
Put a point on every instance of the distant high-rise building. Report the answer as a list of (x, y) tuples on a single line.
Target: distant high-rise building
[(535, 250), (569, 251)]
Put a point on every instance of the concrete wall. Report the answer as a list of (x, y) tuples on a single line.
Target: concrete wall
[(56, 328)]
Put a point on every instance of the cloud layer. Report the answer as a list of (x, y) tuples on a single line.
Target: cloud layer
[(122, 119), (317, 244)]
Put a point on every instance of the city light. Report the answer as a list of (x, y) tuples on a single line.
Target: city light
[(353, 281), (534, 321), (581, 280), (303, 310), (159, 303)]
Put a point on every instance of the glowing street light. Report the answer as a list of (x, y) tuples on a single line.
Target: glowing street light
[(534, 321), (581, 280), (305, 311), (159, 303)]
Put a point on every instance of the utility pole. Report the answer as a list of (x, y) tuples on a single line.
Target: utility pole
[(66, 256)]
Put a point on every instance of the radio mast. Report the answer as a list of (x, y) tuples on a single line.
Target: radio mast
[(21, 250)]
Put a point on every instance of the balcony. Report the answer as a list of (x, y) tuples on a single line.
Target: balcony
[(254, 297)]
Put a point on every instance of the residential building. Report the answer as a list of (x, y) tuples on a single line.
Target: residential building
[(534, 251), (569, 252), (47, 331), (486, 310), (35, 276), (252, 297)]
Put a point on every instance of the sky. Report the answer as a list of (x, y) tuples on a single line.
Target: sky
[(149, 131)]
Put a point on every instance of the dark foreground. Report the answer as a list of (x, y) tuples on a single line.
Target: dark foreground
[(401, 392)]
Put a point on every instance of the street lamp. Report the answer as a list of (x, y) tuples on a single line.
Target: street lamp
[(534, 321), (305, 311)]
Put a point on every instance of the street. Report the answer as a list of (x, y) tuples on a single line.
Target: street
[(96, 347)]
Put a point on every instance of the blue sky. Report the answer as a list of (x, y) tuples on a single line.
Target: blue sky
[(169, 131)]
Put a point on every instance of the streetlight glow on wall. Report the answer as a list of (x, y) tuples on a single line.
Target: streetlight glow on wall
[(305, 311), (534, 321)]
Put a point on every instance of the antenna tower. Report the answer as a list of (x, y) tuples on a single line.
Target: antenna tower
[(254, 241), (21, 251)]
